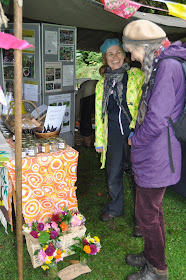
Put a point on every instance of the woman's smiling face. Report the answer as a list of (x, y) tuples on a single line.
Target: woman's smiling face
[(115, 57)]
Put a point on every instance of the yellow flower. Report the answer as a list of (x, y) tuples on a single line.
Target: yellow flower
[(47, 262), (49, 258), (92, 240), (44, 267), (96, 239), (45, 247)]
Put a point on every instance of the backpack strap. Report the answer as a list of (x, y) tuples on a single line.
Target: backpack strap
[(151, 84)]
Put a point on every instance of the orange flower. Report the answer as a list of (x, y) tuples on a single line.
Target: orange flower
[(87, 249), (63, 226), (58, 256)]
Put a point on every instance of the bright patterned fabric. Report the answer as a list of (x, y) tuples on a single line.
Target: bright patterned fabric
[(122, 8), (135, 81), (48, 181)]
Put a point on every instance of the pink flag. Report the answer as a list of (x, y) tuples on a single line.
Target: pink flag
[(8, 41), (122, 8)]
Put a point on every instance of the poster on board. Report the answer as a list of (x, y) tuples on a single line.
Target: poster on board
[(50, 42), (66, 45), (28, 66), (31, 90), (60, 100), (53, 76), (66, 36), (29, 36), (68, 75)]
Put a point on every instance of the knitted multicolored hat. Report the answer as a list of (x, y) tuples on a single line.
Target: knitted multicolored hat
[(109, 43)]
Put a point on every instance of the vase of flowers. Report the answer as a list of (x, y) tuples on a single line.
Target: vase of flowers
[(52, 271), (83, 260), (86, 246)]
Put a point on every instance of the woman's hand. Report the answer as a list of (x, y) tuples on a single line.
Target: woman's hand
[(99, 150), (129, 142)]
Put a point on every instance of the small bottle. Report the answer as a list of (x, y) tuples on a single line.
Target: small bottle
[(61, 144)]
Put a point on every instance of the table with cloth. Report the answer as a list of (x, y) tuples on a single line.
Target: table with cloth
[(48, 181)]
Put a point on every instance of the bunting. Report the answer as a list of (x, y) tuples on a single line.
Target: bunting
[(176, 9), (122, 8), (127, 8), (8, 41)]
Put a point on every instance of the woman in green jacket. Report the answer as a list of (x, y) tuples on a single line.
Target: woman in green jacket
[(118, 94)]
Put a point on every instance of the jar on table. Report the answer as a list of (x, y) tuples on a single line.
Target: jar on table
[(39, 147), (45, 147), (53, 145), (61, 144), (32, 151), (24, 153)]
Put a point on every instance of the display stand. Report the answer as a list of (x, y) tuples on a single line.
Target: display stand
[(58, 81)]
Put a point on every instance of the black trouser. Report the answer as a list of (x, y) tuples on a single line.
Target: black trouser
[(116, 164), (87, 105)]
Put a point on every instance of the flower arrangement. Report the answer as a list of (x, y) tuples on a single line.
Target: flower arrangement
[(49, 232), (86, 246), (47, 235), (65, 218)]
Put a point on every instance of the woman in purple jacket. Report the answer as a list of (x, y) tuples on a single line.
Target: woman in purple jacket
[(147, 44)]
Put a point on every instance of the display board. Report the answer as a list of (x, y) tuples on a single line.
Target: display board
[(58, 73), (31, 64)]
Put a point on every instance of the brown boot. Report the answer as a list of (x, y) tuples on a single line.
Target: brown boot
[(149, 272), (87, 141), (137, 260)]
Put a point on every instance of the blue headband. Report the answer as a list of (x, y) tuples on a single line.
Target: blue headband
[(109, 43)]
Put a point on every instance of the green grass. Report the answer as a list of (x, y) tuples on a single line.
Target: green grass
[(116, 236)]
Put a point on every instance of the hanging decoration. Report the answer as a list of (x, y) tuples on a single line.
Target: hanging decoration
[(3, 19), (8, 41), (122, 8), (176, 9), (127, 8)]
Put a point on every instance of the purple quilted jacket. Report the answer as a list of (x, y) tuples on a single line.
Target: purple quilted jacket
[(149, 152)]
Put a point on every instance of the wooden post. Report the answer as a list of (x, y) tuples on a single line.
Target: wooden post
[(18, 136)]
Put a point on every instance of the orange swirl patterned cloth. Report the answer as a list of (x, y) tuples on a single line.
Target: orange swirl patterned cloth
[(48, 180)]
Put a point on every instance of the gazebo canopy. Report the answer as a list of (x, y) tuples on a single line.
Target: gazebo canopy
[(93, 23)]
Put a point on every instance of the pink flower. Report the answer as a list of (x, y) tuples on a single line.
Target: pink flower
[(42, 256), (40, 226), (55, 226), (50, 251), (34, 233), (29, 224), (58, 210), (85, 242), (47, 226), (53, 234), (75, 221), (93, 249)]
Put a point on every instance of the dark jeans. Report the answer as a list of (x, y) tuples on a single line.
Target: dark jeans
[(87, 107), (116, 163), (149, 215)]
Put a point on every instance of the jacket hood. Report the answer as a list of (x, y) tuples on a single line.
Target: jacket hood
[(176, 49)]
